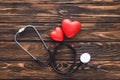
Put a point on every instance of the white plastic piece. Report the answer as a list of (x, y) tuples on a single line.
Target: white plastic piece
[(85, 58), (21, 30)]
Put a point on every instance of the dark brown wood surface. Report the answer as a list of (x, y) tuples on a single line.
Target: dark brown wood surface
[(100, 36)]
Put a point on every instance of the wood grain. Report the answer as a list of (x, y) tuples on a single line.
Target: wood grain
[(89, 31), (100, 36), (30, 70), (99, 50), (60, 1), (55, 13)]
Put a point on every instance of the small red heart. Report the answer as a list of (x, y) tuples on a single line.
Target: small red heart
[(57, 34), (70, 28)]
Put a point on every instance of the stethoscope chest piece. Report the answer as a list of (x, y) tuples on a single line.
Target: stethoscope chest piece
[(85, 58)]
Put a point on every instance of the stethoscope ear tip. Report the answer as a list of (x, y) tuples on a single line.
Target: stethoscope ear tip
[(21, 30), (85, 57)]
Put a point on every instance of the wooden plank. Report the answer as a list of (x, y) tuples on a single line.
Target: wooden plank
[(57, 19), (30, 70), (60, 1), (54, 9), (99, 36), (89, 31), (98, 50), (55, 13)]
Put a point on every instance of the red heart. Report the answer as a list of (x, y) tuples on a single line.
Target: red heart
[(70, 28), (57, 34)]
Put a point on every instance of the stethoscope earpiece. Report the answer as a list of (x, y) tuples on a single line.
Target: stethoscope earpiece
[(21, 30), (85, 58)]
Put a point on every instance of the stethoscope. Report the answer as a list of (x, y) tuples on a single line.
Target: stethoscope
[(84, 58)]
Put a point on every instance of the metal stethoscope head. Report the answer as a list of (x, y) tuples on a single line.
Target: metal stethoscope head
[(84, 58)]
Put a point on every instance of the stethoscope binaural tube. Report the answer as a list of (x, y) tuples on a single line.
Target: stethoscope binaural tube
[(34, 58)]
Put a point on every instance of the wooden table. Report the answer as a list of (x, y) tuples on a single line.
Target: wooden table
[(100, 36)]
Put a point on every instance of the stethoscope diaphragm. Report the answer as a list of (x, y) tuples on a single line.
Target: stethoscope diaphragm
[(85, 58)]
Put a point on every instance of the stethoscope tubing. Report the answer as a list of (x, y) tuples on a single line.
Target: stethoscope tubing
[(40, 37)]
